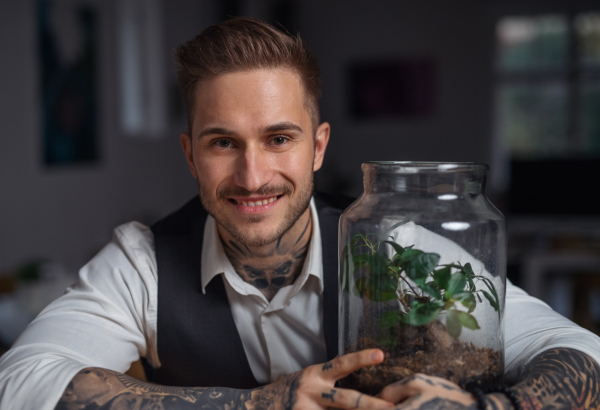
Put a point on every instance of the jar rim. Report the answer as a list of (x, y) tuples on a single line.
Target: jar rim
[(412, 166)]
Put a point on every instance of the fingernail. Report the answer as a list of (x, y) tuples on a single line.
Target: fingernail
[(376, 356)]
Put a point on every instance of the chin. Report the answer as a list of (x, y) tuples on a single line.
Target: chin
[(256, 237)]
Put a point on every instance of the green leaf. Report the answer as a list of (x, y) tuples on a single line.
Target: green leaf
[(410, 254), (448, 304), (468, 271), (441, 277), (389, 319), (495, 302), (492, 288), (456, 284), (418, 264), (467, 299), (468, 321), (490, 299), (431, 290), (360, 260), (361, 286), (428, 261), (399, 249), (453, 325), (377, 263), (422, 313), (396, 261)]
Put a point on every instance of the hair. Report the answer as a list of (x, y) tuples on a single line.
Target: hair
[(245, 44)]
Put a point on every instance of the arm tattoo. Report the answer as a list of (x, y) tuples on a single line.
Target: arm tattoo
[(327, 366), (439, 404), (283, 390), (102, 389), (560, 379)]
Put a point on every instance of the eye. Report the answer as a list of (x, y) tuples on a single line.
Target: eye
[(279, 140), (223, 143)]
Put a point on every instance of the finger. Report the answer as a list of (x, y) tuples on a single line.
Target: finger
[(343, 366), (351, 399), (403, 389)]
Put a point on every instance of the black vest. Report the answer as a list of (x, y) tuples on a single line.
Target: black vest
[(198, 342)]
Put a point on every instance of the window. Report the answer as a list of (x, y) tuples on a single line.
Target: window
[(548, 86)]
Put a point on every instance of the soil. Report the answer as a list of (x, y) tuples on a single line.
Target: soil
[(431, 350)]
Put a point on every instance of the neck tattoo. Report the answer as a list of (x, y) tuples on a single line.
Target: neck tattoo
[(271, 267)]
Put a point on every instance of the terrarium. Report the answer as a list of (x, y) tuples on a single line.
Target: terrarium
[(423, 275)]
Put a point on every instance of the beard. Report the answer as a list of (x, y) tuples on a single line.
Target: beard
[(248, 235)]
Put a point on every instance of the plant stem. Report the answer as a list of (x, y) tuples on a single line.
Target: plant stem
[(408, 283)]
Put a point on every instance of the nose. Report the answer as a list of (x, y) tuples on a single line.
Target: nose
[(253, 169)]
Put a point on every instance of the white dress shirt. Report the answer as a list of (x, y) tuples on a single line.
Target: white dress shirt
[(108, 319), (282, 336)]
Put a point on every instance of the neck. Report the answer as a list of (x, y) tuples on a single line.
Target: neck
[(273, 266)]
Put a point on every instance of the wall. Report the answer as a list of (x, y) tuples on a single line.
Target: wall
[(67, 214), (456, 35)]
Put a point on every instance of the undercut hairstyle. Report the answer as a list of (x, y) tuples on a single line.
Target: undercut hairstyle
[(246, 44)]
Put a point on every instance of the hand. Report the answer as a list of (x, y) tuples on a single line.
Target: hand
[(314, 387), (427, 392)]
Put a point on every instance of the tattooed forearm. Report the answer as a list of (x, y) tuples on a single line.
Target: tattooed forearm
[(283, 391), (102, 389), (560, 379), (327, 366), (445, 404)]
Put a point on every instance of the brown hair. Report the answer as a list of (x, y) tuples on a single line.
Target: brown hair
[(243, 44)]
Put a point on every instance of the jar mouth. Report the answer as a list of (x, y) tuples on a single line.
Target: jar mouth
[(413, 167)]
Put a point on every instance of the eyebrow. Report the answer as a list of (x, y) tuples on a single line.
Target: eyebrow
[(277, 127), (282, 126), (215, 131)]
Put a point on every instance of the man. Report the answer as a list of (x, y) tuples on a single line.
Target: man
[(238, 289)]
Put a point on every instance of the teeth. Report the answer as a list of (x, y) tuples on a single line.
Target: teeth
[(257, 203)]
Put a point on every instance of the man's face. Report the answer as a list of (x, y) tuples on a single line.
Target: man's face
[(253, 152)]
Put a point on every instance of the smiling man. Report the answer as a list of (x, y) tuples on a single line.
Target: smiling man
[(254, 160), (231, 301)]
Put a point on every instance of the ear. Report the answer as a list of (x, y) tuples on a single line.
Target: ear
[(186, 145), (321, 140)]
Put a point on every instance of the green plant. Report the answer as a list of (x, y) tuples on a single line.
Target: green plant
[(423, 288)]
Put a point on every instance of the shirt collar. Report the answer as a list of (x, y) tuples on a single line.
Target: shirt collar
[(215, 261)]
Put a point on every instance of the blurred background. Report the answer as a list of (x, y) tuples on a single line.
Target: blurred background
[(90, 117)]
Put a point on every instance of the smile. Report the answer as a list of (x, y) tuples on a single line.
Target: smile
[(255, 202)]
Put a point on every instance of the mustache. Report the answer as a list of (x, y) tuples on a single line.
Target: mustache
[(265, 190)]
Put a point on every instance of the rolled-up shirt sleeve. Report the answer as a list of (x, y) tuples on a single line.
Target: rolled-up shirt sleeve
[(532, 327), (107, 319)]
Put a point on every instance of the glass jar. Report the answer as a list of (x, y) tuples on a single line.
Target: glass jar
[(423, 275)]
